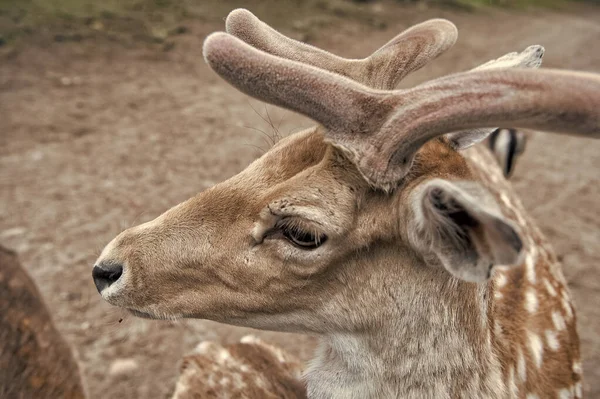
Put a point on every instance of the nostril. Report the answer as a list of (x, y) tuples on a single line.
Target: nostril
[(105, 274)]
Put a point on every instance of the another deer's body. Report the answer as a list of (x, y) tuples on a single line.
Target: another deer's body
[(247, 369), (35, 360)]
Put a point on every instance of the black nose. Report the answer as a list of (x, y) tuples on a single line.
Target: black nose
[(106, 274)]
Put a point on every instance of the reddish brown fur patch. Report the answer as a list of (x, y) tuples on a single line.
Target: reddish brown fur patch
[(35, 361), (438, 159)]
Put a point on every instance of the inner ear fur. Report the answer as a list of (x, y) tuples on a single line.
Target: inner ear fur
[(461, 223)]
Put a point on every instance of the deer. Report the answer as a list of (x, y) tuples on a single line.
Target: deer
[(35, 359), (384, 230)]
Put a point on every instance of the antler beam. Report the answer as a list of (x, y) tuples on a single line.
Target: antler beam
[(383, 130)]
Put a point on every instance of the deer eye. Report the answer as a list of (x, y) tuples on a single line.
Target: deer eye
[(303, 237)]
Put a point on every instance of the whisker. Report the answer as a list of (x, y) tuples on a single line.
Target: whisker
[(279, 126), (265, 135), (137, 218), (273, 128), (263, 151), (257, 113)]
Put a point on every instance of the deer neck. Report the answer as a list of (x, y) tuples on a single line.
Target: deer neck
[(431, 339)]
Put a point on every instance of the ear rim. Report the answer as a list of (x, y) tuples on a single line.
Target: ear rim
[(501, 229)]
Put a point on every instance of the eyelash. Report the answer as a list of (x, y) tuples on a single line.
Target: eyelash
[(300, 235)]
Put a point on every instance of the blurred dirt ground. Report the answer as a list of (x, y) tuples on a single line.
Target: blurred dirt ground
[(96, 136)]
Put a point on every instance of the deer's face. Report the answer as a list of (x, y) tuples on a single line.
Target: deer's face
[(255, 245), (289, 241)]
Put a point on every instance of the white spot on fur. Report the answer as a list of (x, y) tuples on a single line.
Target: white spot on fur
[(203, 347), (501, 280), (531, 301), (530, 266), (577, 369), (565, 394), (224, 381), (223, 356), (504, 198), (559, 321), (537, 348), (567, 306), (279, 356), (532, 396), (498, 295), (552, 340), (512, 383), (497, 329), (249, 339), (578, 390), (123, 366), (549, 287), (494, 179), (238, 383), (180, 390), (521, 366)]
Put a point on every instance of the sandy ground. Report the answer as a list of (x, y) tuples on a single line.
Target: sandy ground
[(96, 137)]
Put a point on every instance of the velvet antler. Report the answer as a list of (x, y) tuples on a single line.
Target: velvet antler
[(381, 130)]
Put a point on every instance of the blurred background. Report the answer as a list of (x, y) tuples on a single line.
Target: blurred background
[(108, 117)]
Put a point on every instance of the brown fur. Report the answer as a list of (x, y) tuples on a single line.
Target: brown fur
[(249, 369), (516, 323), (35, 361)]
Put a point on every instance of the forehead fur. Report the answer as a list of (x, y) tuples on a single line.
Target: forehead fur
[(272, 176), (290, 156), (298, 152), (294, 154)]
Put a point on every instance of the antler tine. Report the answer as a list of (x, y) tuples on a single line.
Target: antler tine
[(531, 57), (338, 103), (407, 52)]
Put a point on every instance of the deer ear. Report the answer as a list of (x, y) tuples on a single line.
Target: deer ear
[(461, 223)]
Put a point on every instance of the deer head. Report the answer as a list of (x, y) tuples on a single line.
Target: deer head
[(379, 187)]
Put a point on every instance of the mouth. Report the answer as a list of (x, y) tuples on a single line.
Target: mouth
[(142, 315), (154, 316)]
